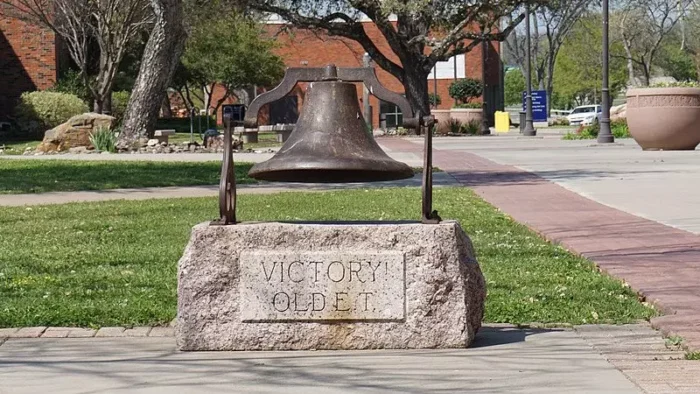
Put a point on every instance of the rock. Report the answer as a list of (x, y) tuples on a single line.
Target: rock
[(288, 286), (152, 142), (74, 133), (142, 142), (78, 150), (618, 112)]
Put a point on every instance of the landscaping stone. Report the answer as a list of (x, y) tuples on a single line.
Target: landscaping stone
[(152, 142), (74, 133), (284, 286)]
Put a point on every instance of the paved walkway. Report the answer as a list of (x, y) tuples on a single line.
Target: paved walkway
[(10, 200), (587, 359), (661, 262)]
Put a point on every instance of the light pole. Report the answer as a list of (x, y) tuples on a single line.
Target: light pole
[(604, 135), (529, 127), (484, 119)]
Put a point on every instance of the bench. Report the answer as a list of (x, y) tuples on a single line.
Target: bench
[(162, 135), (283, 131)]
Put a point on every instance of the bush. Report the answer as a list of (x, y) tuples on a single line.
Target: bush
[(618, 128), (41, 111), (104, 139), (469, 105), (473, 127), (463, 90), (454, 126), (434, 99), (72, 83), (119, 102)]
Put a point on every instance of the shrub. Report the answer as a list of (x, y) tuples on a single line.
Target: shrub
[(119, 102), (473, 105), (473, 127), (41, 111), (618, 128), (72, 83), (104, 139), (454, 126), (463, 90), (434, 99)]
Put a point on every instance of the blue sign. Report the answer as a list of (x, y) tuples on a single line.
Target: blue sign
[(539, 105)]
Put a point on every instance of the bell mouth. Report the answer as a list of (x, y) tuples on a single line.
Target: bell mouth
[(334, 175)]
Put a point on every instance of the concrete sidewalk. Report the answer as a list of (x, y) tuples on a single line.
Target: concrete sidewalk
[(659, 261), (13, 200), (503, 359)]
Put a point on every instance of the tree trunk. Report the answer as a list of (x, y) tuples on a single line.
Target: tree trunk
[(160, 57), (165, 106), (416, 86)]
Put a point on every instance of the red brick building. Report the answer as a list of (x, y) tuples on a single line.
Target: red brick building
[(29, 60), (303, 48)]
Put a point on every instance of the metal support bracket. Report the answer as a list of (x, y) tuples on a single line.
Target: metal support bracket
[(428, 215), (227, 184)]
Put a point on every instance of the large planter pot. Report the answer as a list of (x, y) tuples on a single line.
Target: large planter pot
[(664, 118), (466, 115), (442, 117)]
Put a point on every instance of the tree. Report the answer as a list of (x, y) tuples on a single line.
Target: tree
[(552, 23), (578, 73), (111, 24), (643, 25), (419, 33), (514, 82), (230, 51), (160, 58)]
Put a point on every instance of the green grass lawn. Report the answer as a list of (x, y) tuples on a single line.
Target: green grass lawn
[(115, 263), (40, 176), (265, 140), (18, 147)]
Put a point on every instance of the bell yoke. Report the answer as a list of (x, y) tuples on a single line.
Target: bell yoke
[(330, 142)]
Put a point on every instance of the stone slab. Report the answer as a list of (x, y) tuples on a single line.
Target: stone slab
[(308, 286), (28, 332), (442, 288)]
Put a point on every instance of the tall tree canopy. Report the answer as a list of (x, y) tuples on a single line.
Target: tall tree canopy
[(420, 33)]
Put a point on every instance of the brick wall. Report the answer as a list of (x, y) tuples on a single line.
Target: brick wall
[(27, 61), (303, 48)]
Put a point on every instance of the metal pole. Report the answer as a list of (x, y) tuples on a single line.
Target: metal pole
[(604, 135), (529, 127), (454, 59), (484, 116), (192, 124), (365, 93), (435, 83)]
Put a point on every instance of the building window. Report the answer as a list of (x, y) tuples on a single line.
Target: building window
[(446, 69), (390, 115)]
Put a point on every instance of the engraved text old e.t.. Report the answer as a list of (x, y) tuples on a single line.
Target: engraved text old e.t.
[(317, 286)]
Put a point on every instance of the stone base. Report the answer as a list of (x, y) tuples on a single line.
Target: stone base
[(287, 286)]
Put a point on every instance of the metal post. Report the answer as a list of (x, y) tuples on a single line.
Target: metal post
[(365, 94), (484, 116), (529, 127), (454, 58), (605, 135), (192, 124), (435, 83)]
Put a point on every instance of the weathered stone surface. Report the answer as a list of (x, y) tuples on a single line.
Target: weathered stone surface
[(442, 285), (298, 286), (74, 133)]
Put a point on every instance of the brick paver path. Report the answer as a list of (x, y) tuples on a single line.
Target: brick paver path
[(661, 262)]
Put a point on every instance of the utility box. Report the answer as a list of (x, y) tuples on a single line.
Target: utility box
[(502, 120)]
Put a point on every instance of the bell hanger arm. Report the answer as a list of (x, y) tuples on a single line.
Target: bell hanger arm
[(294, 75)]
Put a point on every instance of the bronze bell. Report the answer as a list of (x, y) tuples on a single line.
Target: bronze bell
[(330, 142)]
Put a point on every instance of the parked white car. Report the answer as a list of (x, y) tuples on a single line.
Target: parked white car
[(585, 115)]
